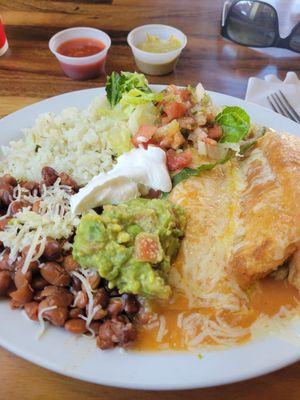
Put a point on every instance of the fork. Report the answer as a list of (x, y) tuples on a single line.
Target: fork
[(281, 105)]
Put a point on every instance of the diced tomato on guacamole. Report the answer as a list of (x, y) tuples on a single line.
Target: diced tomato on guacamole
[(147, 248)]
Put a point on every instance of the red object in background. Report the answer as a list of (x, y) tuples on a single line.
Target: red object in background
[(3, 41), (81, 47)]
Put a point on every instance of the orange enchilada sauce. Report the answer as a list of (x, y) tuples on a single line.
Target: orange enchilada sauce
[(266, 297)]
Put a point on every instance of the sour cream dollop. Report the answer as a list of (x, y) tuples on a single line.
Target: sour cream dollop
[(135, 172)]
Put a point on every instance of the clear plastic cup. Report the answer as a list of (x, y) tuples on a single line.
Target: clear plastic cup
[(81, 68), (155, 63)]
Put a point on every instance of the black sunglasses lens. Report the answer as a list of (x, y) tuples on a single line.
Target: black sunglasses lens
[(252, 23), (295, 40)]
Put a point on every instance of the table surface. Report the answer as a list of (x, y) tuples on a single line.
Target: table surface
[(28, 73)]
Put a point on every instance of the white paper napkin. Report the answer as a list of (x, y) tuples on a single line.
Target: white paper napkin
[(258, 89)]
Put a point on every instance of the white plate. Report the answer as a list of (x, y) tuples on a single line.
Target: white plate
[(78, 357)]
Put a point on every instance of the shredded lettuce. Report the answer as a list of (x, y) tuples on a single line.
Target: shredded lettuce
[(235, 124), (118, 124), (136, 96), (130, 85), (128, 105), (143, 114)]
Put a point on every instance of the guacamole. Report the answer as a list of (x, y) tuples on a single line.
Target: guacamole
[(154, 44), (132, 244)]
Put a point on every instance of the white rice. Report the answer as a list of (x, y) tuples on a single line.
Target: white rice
[(72, 142)]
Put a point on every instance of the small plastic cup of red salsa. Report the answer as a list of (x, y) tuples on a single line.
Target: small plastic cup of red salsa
[(81, 52)]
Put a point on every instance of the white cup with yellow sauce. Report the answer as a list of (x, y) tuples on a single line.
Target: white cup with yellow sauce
[(156, 48)]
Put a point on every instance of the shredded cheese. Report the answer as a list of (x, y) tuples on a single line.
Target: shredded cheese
[(91, 310), (42, 322), (162, 331), (32, 249), (30, 229), (198, 328)]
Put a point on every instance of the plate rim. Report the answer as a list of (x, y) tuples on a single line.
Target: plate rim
[(113, 382)]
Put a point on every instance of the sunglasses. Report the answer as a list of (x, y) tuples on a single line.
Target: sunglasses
[(255, 24)]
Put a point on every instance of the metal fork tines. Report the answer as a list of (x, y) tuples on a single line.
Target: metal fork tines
[(281, 105)]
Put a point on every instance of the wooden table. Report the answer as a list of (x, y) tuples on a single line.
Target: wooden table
[(28, 73)]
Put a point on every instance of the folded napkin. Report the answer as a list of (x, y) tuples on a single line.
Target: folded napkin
[(258, 89)]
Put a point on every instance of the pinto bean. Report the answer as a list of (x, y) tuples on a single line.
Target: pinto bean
[(4, 222), (6, 192), (55, 274), (75, 312), (49, 176), (76, 325), (30, 186), (9, 180), (94, 281), (18, 205), (56, 316), (115, 306), (95, 326), (36, 206), (14, 305), (130, 303), (22, 295), (38, 296), (32, 310), (116, 331), (101, 298), (81, 299), (124, 330), (5, 282), (38, 283), (58, 296), (70, 264), (5, 263), (53, 250), (21, 279), (105, 336), (99, 314), (33, 265), (76, 283), (68, 181)]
